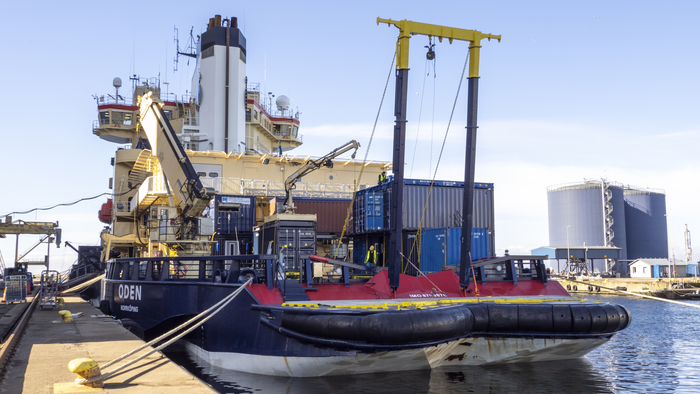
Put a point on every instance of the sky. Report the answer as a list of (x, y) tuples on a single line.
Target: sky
[(574, 90)]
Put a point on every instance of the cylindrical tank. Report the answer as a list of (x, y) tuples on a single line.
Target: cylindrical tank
[(645, 213), (579, 207)]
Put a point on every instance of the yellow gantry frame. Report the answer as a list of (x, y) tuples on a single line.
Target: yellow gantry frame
[(409, 28)]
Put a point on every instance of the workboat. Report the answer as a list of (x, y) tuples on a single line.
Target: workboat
[(299, 314)]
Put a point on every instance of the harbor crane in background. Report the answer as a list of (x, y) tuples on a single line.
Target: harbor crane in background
[(51, 232), (311, 166)]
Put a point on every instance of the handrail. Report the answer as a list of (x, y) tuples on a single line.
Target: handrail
[(281, 276)]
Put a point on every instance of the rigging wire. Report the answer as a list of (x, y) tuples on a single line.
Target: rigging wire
[(70, 203), (437, 165), (369, 144), (420, 115), (432, 120)]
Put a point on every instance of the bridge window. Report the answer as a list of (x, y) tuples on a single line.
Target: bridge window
[(168, 113), (104, 117)]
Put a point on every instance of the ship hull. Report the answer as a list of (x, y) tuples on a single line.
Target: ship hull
[(460, 352)]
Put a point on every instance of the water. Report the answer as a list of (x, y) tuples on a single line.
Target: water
[(658, 353)]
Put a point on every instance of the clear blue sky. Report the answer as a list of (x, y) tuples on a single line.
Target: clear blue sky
[(575, 90)]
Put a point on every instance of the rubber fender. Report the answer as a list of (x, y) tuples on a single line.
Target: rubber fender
[(481, 317), (599, 318), (448, 323), (132, 327), (503, 318), (625, 317), (581, 319), (562, 320), (417, 326), (386, 328), (535, 318), (613, 318)]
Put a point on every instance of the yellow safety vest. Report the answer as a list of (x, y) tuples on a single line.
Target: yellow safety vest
[(374, 256)]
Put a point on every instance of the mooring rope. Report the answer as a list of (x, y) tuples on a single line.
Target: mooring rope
[(424, 275), (221, 305), (83, 285), (636, 294), (362, 170)]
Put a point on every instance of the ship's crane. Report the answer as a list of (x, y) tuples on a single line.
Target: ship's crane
[(311, 166), (192, 197)]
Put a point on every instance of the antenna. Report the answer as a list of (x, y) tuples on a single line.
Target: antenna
[(190, 48), (688, 248)]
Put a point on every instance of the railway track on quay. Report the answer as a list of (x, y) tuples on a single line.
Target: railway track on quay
[(13, 324)]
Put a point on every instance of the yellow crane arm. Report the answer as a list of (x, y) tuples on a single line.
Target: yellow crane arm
[(409, 28), (313, 165)]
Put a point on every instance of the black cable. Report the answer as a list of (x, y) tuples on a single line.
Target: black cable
[(70, 203)]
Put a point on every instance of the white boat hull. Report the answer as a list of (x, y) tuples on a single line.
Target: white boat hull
[(461, 352)]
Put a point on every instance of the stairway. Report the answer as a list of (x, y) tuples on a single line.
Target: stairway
[(293, 291)]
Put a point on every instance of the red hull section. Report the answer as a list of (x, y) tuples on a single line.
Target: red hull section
[(439, 285)]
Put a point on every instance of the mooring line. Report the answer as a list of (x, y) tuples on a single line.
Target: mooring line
[(637, 294), (225, 301), (83, 285)]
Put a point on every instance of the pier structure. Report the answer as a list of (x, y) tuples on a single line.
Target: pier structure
[(39, 363)]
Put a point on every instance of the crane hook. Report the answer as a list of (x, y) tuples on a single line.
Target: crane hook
[(431, 49)]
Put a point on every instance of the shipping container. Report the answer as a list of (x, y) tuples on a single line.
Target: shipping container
[(442, 246), (234, 214), (290, 237), (444, 209), (330, 213), (361, 243)]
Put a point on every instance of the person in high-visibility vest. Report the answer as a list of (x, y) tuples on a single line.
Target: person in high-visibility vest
[(371, 259), (382, 178)]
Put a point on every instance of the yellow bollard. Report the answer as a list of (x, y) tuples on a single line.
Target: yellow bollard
[(66, 315), (86, 368)]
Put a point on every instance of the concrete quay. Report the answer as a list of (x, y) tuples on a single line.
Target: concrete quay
[(40, 362), (634, 285)]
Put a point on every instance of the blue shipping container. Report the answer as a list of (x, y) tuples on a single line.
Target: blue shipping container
[(374, 211), (441, 246), (359, 252), (234, 214)]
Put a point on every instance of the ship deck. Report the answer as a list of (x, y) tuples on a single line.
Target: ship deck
[(412, 303)]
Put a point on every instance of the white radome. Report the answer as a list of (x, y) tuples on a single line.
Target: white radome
[(282, 103)]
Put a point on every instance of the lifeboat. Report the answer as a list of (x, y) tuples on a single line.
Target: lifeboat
[(105, 213)]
